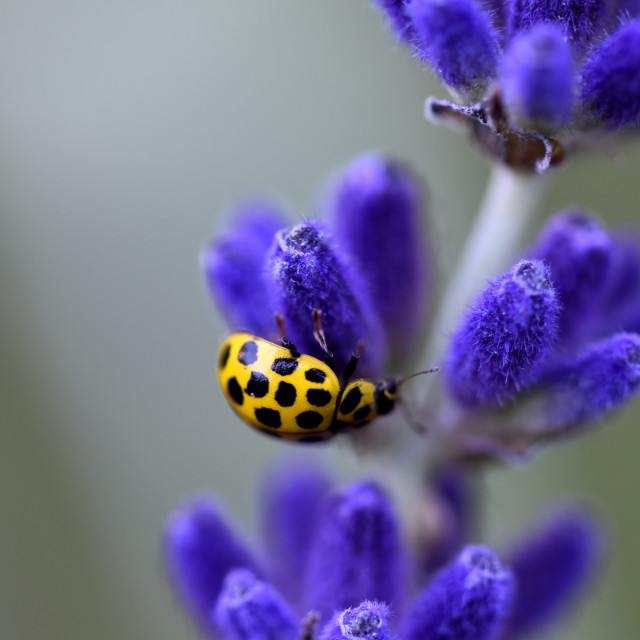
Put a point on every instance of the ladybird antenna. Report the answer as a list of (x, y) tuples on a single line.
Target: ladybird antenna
[(418, 373), (416, 426)]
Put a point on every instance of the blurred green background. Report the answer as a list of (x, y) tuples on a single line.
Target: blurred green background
[(127, 129)]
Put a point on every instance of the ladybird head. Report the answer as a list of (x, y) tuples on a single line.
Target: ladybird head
[(385, 395)]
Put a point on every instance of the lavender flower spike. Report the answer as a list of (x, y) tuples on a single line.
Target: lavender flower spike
[(233, 267), (368, 621), (504, 334), (357, 553), (551, 568), (456, 38), (585, 386), (467, 600), (375, 210), (538, 79), (611, 78), (200, 548), (251, 610), (579, 252), (308, 272)]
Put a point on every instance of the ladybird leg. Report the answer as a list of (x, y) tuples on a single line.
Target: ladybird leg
[(284, 341), (318, 334), (352, 365)]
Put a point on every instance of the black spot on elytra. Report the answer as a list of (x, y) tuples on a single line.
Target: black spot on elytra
[(248, 352), (362, 412), (284, 366), (286, 394), (340, 425), (268, 417), (258, 385), (235, 391), (309, 419), (224, 357), (311, 439), (351, 400), (318, 397), (315, 375)]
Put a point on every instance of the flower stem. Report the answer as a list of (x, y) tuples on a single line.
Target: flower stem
[(508, 206)]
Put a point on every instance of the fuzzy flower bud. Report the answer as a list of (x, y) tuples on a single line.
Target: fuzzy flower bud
[(368, 621), (233, 267), (579, 252), (589, 384), (308, 272), (200, 548), (289, 508), (611, 78), (538, 79), (467, 600), (397, 17), (357, 553), (251, 610), (375, 212), (503, 335), (456, 38), (551, 568), (578, 19)]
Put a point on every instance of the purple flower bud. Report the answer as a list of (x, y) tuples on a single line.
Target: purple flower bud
[(551, 568), (452, 488), (538, 78), (289, 506), (507, 331), (587, 385), (376, 210), (397, 18), (578, 19), (578, 251), (309, 273), (357, 552), (456, 38), (251, 610), (233, 266), (368, 621), (200, 548), (611, 78), (467, 600)]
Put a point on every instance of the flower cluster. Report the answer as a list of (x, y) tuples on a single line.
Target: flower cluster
[(337, 567), (364, 267), (562, 323), (534, 78)]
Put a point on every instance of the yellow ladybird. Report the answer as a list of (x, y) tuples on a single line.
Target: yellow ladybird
[(294, 396)]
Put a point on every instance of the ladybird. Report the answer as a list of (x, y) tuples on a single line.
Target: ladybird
[(294, 396)]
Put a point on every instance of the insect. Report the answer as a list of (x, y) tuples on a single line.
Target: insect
[(290, 395)]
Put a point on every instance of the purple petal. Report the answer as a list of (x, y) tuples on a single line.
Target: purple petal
[(552, 568), (308, 272), (505, 333), (467, 600), (457, 39), (200, 548), (357, 553), (233, 266), (611, 78), (376, 209), (252, 610), (538, 78), (367, 621), (397, 18)]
